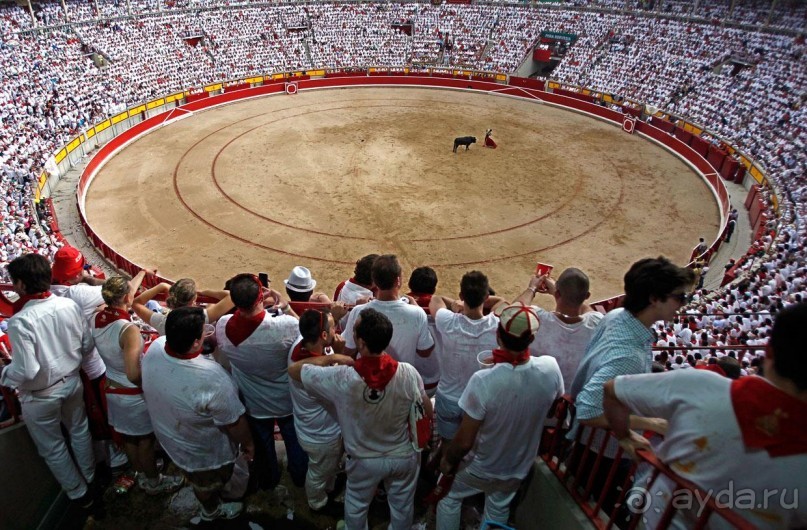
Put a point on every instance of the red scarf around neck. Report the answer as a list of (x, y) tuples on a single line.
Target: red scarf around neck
[(239, 328), (423, 299), (24, 299), (769, 418), (299, 353), (504, 356), (108, 315), (377, 371), (184, 356)]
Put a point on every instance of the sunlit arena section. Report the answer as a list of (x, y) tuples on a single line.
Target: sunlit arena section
[(328, 175)]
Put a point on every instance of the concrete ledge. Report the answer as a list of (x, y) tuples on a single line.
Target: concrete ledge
[(30, 495), (547, 504)]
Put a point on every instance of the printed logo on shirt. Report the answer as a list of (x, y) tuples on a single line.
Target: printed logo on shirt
[(373, 396)]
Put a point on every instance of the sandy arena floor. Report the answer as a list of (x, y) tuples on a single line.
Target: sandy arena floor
[(324, 177)]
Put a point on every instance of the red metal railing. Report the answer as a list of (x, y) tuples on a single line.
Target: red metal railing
[(580, 482)]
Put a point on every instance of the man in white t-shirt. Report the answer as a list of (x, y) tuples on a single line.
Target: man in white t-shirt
[(411, 337), (317, 428), (422, 285), (195, 411), (256, 344), (359, 287), (372, 398), (504, 409), (566, 331), (462, 336), (743, 442)]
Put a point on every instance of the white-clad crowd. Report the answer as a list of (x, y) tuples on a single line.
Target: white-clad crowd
[(52, 89)]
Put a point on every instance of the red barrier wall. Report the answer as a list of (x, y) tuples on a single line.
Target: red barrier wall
[(528, 89), (528, 83), (700, 146)]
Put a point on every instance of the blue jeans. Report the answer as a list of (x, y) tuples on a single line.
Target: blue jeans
[(265, 466)]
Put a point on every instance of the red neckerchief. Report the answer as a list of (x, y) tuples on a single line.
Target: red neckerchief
[(422, 299), (299, 353), (769, 418), (17, 306), (503, 356), (377, 371), (183, 356), (108, 315), (239, 328)]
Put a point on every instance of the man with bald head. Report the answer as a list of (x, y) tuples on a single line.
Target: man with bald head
[(566, 331)]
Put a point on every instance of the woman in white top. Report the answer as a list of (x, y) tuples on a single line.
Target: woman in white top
[(183, 293), (119, 343)]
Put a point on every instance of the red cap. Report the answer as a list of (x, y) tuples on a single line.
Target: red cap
[(67, 263)]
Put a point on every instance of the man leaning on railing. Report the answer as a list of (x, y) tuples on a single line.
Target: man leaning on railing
[(743, 442)]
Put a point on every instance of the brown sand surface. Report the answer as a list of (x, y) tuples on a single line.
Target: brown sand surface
[(326, 176)]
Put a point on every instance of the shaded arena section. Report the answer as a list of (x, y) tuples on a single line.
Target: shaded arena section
[(325, 176)]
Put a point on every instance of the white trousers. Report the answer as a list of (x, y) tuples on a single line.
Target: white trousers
[(498, 496), (323, 466), (400, 479), (44, 413)]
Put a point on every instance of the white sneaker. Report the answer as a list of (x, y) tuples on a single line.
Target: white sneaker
[(226, 510), (164, 484)]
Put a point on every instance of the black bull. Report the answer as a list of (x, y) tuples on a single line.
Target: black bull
[(464, 140)]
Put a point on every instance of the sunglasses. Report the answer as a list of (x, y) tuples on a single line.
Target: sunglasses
[(684, 298)]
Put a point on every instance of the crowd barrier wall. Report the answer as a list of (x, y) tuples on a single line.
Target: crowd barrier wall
[(142, 119)]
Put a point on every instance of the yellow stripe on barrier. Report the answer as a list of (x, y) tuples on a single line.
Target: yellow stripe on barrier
[(691, 128), (174, 97), (90, 133), (156, 103), (60, 155), (119, 118), (316, 73), (501, 77), (276, 76), (43, 178), (554, 85), (73, 145), (211, 88), (747, 163), (757, 174), (253, 80), (102, 126), (137, 110)]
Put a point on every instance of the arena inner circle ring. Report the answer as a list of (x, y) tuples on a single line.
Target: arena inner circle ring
[(323, 177)]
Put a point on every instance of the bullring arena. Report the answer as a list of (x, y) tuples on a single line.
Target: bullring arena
[(208, 138), (324, 177)]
